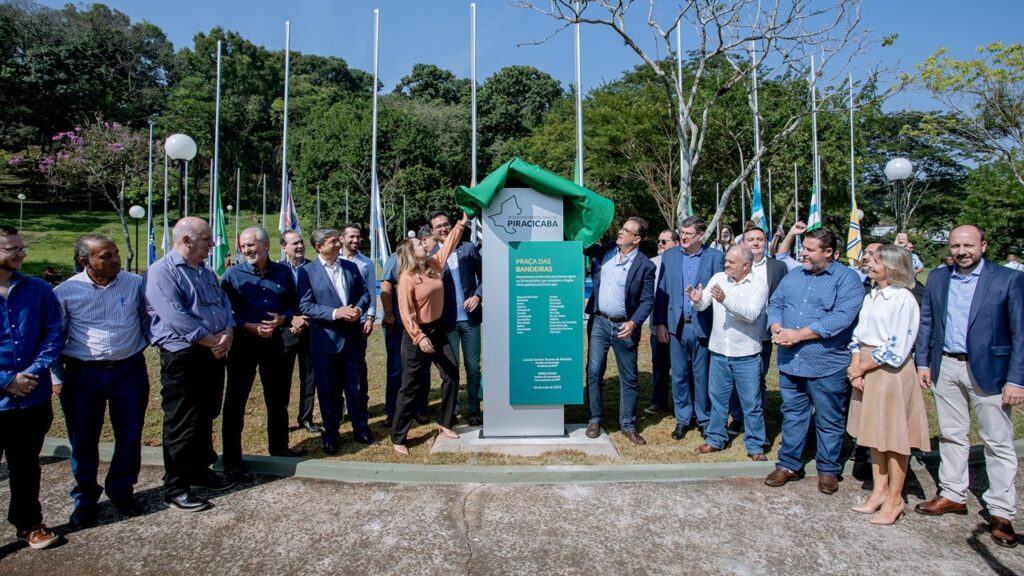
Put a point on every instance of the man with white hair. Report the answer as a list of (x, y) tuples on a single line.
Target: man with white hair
[(263, 299), (738, 299), (191, 323)]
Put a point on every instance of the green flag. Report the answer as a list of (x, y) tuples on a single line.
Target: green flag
[(219, 235), (587, 214)]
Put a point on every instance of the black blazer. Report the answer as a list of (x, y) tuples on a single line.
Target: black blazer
[(471, 279), (776, 272), (639, 286)]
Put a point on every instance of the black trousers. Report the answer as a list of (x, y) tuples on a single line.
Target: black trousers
[(191, 388), (22, 431), (661, 377), (249, 353), (297, 348), (416, 377)]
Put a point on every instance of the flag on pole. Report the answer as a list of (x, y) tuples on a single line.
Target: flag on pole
[(289, 218), (814, 216), (379, 250), (756, 208), (220, 235), (854, 247), (689, 205)]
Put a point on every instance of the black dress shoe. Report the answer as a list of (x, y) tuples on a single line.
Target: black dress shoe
[(84, 516), (186, 501), (422, 418), (289, 453), (387, 423), (330, 447), (365, 439), (127, 506), (311, 427), (680, 431), (211, 481), (634, 437), (476, 421), (654, 409), (593, 430), (238, 475)]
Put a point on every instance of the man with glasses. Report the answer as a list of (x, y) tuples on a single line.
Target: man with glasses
[(620, 302), (191, 322), (30, 343), (660, 360), (463, 292), (685, 329)]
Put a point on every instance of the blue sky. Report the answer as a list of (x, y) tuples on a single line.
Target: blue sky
[(437, 32)]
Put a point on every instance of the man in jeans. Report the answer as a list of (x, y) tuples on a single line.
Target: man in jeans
[(811, 318), (738, 298), (30, 343)]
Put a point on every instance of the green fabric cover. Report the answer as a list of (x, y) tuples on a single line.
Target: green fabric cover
[(587, 214)]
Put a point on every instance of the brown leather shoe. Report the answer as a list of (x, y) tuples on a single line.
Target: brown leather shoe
[(1002, 531), (939, 505), (780, 476), (758, 457), (593, 430), (635, 438), (828, 484), (707, 449)]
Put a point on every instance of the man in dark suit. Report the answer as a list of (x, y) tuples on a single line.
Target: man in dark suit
[(772, 272), (620, 302), (970, 347), (332, 294), (683, 328), (296, 336), (463, 292)]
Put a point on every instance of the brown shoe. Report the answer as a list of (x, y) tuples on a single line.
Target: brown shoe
[(780, 476), (828, 484), (939, 505), (42, 537), (593, 430), (1002, 531), (635, 438), (757, 457), (707, 449)]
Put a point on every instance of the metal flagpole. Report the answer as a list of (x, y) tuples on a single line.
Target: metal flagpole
[(472, 116), (743, 204), (164, 244), (757, 135), (263, 222), (215, 169), (770, 223), (211, 192), (318, 206), (579, 103), (149, 197), (717, 200), (679, 104), (284, 135), (853, 176), (814, 218), (373, 146), (238, 201), (186, 187)]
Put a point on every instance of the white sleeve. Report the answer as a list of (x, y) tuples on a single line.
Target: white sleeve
[(906, 316)]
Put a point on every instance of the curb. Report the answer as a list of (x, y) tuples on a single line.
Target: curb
[(321, 469)]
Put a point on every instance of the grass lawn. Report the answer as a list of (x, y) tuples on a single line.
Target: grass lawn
[(50, 235)]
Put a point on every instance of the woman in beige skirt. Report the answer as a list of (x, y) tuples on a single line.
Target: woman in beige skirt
[(887, 411)]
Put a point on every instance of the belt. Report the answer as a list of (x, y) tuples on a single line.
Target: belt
[(99, 364), (687, 319), (956, 356), (611, 318)]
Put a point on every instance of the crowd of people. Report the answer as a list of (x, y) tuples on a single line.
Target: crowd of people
[(854, 350)]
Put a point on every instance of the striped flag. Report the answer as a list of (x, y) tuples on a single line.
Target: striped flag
[(814, 216), (757, 209), (289, 218), (854, 247), (221, 246), (379, 250)]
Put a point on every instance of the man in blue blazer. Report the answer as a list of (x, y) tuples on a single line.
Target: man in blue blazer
[(463, 292), (621, 300), (332, 294), (685, 330), (970, 348)]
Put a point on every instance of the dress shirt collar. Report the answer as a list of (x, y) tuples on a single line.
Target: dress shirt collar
[(887, 293), (975, 272), (330, 266), (746, 279), (618, 258), (696, 254), (763, 262)]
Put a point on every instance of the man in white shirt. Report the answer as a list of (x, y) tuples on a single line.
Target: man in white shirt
[(738, 299)]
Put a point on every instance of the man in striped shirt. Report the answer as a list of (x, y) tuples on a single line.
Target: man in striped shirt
[(103, 309)]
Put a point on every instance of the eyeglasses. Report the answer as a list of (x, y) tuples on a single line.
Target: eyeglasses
[(15, 250), (444, 226), (663, 241), (628, 231)]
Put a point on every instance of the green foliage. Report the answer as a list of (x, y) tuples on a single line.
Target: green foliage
[(994, 200)]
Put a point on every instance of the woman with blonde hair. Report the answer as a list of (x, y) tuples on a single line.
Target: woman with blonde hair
[(887, 412), (420, 302)]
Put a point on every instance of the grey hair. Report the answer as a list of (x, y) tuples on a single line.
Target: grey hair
[(746, 255), (320, 235), (82, 245), (190, 227), (261, 234), (284, 236), (898, 265)]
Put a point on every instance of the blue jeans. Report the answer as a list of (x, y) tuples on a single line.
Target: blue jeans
[(827, 396), (738, 375), (766, 361), (468, 335), (689, 356), (604, 335), (86, 392)]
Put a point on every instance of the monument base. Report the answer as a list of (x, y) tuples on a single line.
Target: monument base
[(469, 441)]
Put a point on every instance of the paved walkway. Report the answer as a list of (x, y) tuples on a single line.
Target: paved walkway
[(301, 526)]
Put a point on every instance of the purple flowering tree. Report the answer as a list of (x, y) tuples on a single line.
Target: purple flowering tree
[(105, 158)]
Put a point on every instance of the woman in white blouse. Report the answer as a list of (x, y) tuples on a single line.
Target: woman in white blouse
[(887, 412)]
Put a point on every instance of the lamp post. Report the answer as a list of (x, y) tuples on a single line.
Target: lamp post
[(137, 212), (182, 148), (896, 170), (21, 209)]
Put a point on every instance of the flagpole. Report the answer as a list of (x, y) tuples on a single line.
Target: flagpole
[(579, 101), (150, 248), (376, 249), (317, 206), (263, 178), (211, 192), (164, 247), (814, 220), (770, 223), (186, 187), (238, 200), (717, 200), (755, 202), (284, 135), (796, 202), (472, 98), (853, 176), (679, 105)]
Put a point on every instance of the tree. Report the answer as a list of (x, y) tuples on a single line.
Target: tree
[(994, 198), (784, 37), (512, 103), (430, 83), (986, 98)]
